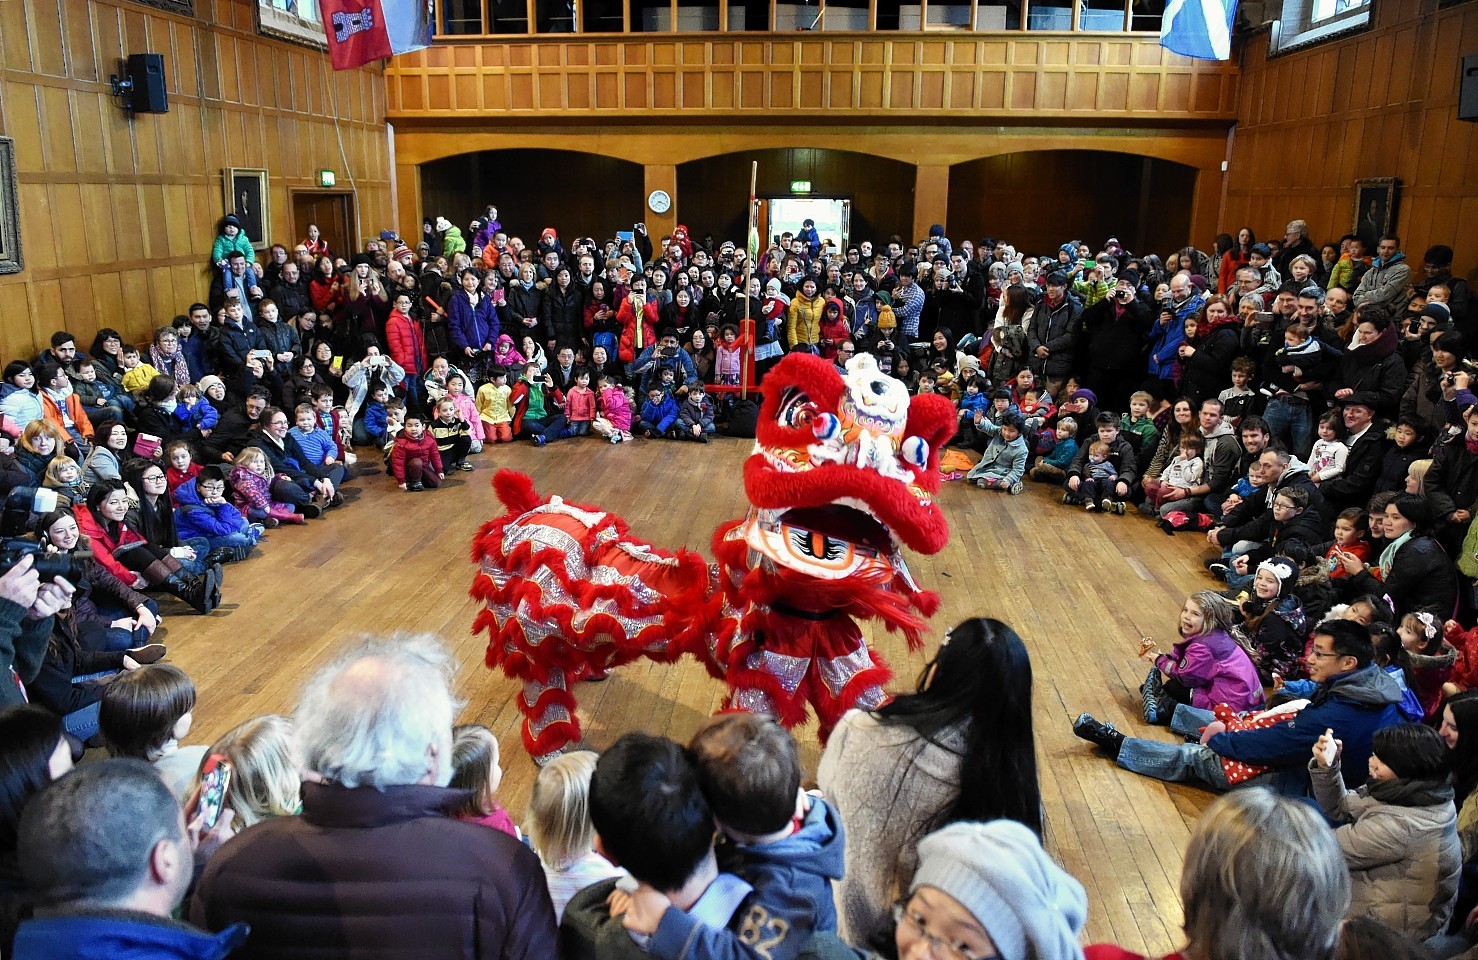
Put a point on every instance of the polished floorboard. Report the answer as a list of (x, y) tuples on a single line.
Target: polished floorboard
[(1080, 588)]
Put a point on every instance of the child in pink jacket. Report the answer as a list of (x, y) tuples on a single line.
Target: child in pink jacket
[(614, 421), (1206, 668), (459, 391)]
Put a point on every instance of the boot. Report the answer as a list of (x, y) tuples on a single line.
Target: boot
[(1103, 735), (196, 591), (222, 555), (1149, 693), (285, 515), (158, 573)]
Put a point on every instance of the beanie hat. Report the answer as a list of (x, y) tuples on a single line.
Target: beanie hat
[(1437, 311), (772, 285), (936, 230), (1130, 276), (1284, 570), (443, 224), (231, 221), (1085, 394), (1031, 908), (403, 253), (208, 381), (883, 298)]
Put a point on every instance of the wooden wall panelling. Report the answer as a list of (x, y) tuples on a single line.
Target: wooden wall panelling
[(1312, 122), (118, 215)]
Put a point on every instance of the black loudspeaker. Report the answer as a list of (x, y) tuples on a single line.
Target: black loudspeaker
[(146, 70), (1467, 103)]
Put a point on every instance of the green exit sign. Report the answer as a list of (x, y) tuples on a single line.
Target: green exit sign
[(800, 186), (326, 178)]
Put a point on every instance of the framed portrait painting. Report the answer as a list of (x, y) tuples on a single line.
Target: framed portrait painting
[(1375, 209), (247, 198), (10, 211)]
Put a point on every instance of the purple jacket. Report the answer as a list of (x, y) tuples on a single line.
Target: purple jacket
[(1216, 669), (469, 326)]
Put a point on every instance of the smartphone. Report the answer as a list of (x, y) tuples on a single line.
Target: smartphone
[(1263, 316), (623, 235), (264, 355), (215, 782)]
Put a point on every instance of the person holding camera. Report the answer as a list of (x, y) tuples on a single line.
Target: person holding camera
[(1114, 331), (664, 354), (1168, 333)]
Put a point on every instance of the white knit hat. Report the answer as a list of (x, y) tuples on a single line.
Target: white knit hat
[(1030, 906), (443, 224)]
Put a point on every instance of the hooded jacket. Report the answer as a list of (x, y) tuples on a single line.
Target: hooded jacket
[(1165, 340), (1356, 704), (1384, 283), (1258, 508), (196, 518), (452, 242), (1400, 842), (1216, 669)]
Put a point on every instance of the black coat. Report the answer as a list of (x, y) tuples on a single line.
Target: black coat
[(1355, 486), (1057, 329), (1114, 340), (1421, 578), (1452, 481), (1208, 371)]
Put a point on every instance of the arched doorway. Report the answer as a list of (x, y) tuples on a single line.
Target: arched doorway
[(1040, 199), (713, 192), (579, 194)]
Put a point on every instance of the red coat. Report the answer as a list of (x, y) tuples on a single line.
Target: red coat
[(580, 405), (103, 545), (629, 348), (406, 449), (406, 343)]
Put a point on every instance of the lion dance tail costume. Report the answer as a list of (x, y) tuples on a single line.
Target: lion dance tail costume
[(843, 475)]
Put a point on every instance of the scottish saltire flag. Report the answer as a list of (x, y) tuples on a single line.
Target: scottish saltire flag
[(1199, 28), (361, 31)]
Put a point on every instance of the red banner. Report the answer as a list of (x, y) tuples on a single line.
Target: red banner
[(356, 32)]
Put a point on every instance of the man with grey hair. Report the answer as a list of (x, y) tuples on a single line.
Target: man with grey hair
[(1296, 243), (106, 855), (374, 866)]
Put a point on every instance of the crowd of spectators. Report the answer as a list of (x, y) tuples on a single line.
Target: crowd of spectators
[(1307, 411)]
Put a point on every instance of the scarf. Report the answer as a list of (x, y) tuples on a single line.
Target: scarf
[(1388, 555), (1410, 793), (175, 365)]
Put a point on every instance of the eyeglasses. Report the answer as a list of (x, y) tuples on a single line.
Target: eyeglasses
[(152, 478), (914, 925), (1322, 655)]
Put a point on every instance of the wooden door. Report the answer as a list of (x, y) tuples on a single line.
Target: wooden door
[(334, 215)]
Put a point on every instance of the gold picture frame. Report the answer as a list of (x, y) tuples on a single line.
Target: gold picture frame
[(248, 197), (1375, 209)]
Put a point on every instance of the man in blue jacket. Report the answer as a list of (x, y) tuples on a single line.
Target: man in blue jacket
[(107, 856), (1352, 697)]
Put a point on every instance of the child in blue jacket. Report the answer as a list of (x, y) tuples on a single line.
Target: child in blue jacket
[(191, 410), (658, 415), (1053, 467), (1004, 462), (206, 513)]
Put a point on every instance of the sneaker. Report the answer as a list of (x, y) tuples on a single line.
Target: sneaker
[(1102, 735), (1090, 505), (148, 653), (1106, 505), (615, 438), (337, 500), (1016, 488), (464, 466), (416, 487), (1118, 508), (539, 440), (1149, 693), (1218, 570)]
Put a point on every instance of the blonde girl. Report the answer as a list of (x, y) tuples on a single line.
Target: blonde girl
[(560, 828), (264, 770), (476, 768)]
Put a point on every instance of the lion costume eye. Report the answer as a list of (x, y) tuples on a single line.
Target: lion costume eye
[(796, 409)]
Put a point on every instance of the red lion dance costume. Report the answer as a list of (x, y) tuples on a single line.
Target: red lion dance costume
[(844, 468)]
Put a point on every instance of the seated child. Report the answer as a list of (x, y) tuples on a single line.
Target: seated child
[(144, 714), (1409, 436), (1205, 668), (1403, 815), (973, 405), (453, 436), (394, 423), (1137, 426), (559, 825), (251, 490), (181, 464), (1102, 483), (695, 414), (1327, 459), (614, 404), (101, 397), (1349, 537), (193, 413), (1185, 470), (415, 460), (1036, 409), (1428, 660), (1004, 462), (369, 430), (334, 421), (493, 406), (580, 404), (213, 392), (1391, 657), (1053, 467), (458, 391), (658, 415), (203, 511), (64, 475), (136, 373), (476, 768), (1239, 400)]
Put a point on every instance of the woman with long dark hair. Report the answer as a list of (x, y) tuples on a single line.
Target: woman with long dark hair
[(33, 754), (960, 748)]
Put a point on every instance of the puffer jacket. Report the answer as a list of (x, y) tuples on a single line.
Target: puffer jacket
[(1057, 329), (1399, 838), (195, 518), (803, 319)]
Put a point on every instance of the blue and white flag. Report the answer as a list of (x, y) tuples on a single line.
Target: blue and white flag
[(1199, 28)]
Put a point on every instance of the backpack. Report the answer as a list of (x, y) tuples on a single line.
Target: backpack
[(743, 417)]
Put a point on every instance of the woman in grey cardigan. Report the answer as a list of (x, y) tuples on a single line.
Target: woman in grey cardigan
[(960, 748)]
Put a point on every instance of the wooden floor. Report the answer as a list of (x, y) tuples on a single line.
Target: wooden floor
[(1080, 588)]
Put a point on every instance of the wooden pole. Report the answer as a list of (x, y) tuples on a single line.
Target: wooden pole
[(751, 243)]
